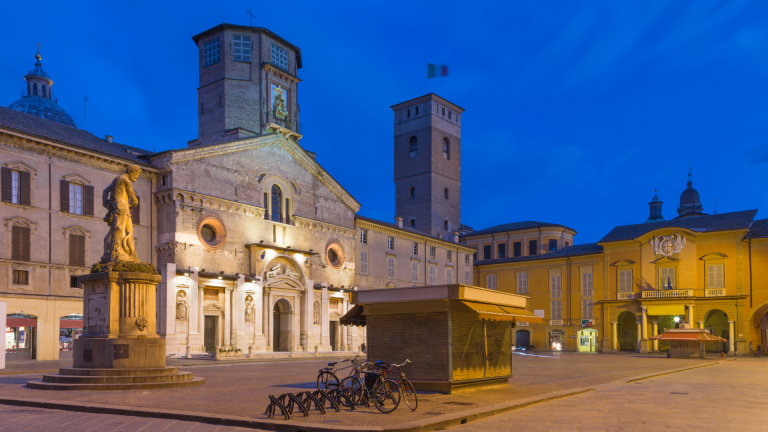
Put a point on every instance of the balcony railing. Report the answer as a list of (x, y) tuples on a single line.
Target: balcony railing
[(281, 219), (655, 294), (556, 322), (626, 296), (50, 95), (285, 122), (714, 292)]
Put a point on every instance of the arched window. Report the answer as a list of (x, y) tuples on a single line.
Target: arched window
[(34, 89), (43, 92), (443, 111), (446, 225), (445, 192), (277, 199), (412, 193), (446, 149), (409, 113)]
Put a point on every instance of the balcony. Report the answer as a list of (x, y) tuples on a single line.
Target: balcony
[(663, 294), (714, 292)]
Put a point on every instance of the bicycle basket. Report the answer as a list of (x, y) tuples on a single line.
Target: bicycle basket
[(371, 378)]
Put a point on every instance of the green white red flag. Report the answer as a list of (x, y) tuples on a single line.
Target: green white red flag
[(436, 71)]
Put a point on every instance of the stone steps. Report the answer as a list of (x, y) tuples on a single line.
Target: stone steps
[(120, 379), (39, 385), (118, 372)]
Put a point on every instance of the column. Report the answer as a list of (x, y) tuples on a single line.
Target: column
[(194, 284), (307, 315), (270, 323), (690, 316), (325, 341), (166, 311), (344, 342), (655, 332), (639, 334), (644, 335), (701, 324), (265, 320), (730, 337), (227, 316), (238, 319), (614, 336)]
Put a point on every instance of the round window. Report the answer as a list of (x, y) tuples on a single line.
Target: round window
[(334, 255), (211, 232)]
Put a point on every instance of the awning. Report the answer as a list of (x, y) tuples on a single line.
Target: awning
[(354, 317), (21, 322), (692, 336), (502, 313)]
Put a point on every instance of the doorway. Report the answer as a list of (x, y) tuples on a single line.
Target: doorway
[(209, 339), (523, 339), (334, 330), (20, 337), (282, 326)]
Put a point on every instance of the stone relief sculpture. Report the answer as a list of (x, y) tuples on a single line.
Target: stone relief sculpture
[(118, 198), (667, 245), (274, 271), (181, 305), (290, 273), (248, 309), (278, 103), (316, 312)]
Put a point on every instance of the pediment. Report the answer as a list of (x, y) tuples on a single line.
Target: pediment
[(284, 282), (76, 178), (213, 307), (20, 166), (288, 145)]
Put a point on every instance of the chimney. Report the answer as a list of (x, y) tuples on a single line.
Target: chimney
[(108, 138), (455, 236), (399, 221)]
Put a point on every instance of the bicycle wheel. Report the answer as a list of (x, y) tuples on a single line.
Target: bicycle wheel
[(327, 381), (352, 388), (387, 395), (409, 394)]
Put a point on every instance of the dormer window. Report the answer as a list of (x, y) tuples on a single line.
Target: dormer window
[(212, 52), (279, 57), (241, 48)]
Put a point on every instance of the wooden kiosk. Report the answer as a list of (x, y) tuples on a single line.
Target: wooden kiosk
[(455, 335)]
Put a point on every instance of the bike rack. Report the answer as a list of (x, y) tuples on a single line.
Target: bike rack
[(304, 401)]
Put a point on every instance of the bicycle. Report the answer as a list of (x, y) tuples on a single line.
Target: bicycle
[(406, 387), (328, 378), (384, 393)]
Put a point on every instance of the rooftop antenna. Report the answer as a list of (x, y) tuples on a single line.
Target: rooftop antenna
[(715, 212), (85, 120), (249, 13)]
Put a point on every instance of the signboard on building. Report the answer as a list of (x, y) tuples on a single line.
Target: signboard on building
[(587, 323)]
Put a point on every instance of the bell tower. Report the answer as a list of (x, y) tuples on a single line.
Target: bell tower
[(428, 165)]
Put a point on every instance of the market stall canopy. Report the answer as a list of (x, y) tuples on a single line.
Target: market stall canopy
[(501, 313), (354, 317)]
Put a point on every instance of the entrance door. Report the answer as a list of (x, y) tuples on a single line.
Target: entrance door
[(334, 327), (210, 333), (523, 339), (276, 329)]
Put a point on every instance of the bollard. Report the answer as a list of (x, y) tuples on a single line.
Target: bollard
[(721, 354), (292, 350), (250, 351), (359, 350), (317, 351)]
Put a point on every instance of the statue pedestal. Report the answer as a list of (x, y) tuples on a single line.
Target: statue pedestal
[(119, 348)]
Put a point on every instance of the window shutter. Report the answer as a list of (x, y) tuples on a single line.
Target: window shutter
[(7, 184), (390, 267), (64, 191), (16, 243), (24, 188), (73, 240), (364, 262), (89, 200), (136, 212), (20, 244), (415, 271), (81, 251)]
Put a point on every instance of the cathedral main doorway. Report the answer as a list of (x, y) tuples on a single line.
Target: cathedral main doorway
[(209, 338), (282, 319)]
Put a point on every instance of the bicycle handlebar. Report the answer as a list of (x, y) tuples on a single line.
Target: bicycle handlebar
[(402, 364)]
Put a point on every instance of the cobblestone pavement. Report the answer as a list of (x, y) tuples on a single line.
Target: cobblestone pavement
[(23, 419), (727, 397), (242, 389)]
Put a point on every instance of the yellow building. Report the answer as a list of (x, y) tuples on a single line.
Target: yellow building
[(710, 271)]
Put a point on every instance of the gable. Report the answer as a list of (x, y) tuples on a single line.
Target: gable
[(243, 170)]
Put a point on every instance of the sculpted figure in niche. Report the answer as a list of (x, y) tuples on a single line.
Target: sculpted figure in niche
[(316, 312), (181, 305), (248, 309), (278, 103), (118, 198)]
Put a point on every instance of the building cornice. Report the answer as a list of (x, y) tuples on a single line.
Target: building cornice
[(413, 236)]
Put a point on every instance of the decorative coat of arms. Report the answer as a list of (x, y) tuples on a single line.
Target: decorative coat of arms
[(667, 245)]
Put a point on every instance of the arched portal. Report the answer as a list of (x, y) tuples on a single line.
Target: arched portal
[(627, 331), (587, 340), (716, 321), (282, 330), (20, 337), (523, 339), (70, 328)]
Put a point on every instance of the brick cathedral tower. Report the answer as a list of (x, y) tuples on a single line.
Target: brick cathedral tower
[(248, 84), (428, 165)]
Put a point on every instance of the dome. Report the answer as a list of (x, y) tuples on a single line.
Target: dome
[(38, 71), (690, 195), (43, 107)]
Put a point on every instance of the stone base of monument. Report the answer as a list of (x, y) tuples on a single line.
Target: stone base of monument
[(119, 348)]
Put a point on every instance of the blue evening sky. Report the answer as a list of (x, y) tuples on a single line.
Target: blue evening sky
[(574, 110)]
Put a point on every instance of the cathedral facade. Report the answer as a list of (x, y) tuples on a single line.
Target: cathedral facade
[(257, 244)]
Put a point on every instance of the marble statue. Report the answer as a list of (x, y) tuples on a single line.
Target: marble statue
[(290, 273), (118, 198), (249, 309), (274, 271), (278, 103), (181, 306)]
